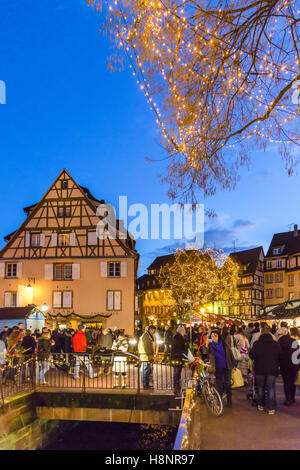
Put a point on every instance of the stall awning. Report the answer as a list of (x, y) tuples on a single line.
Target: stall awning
[(15, 313)]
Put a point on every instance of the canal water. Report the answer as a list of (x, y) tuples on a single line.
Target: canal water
[(115, 436)]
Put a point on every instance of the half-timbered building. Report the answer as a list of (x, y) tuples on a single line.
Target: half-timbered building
[(56, 261)]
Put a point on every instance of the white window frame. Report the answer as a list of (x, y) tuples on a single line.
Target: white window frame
[(114, 300)]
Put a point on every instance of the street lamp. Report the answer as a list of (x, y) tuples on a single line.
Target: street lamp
[(44, 307)]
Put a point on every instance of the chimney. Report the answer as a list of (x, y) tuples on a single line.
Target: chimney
[(295, 230)]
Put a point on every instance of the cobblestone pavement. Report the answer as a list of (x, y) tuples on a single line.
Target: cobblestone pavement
[(244, 428)]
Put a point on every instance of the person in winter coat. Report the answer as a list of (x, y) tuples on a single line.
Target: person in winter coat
[(106, 340), (222, 360), (120, 361), (288, 370), (13, 346), (2, 353), (4, 334), (146, 353), (44, 345), (80, 347), (177, 356), (168, 339), (67, 343), (29, 346), (266, 356), (242, 344)]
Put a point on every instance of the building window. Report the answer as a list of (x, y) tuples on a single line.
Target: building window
[(269, 278), (61, 211), (62, 272), (276, 251), (62, 299), (113, 300), (35, 240), (114, 269), (64, 211), (63, 239), (10, 299), (291, 295), (269, 265), (269, 293), (279, 292), (278, 277), (290, 280), (64, 184), (279, 263), (11, 270), (68, 211)]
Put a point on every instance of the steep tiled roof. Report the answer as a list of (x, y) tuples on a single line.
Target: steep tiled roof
[(289, 242), (248, 258)]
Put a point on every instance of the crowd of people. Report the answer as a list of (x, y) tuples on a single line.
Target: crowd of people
[(255, 349), (18, 345)]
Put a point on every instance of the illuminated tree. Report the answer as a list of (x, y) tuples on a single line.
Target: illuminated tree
[(201, 277), (221, 76)]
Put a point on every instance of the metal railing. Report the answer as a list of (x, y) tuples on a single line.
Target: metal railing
[(84, 372), (17, 376)]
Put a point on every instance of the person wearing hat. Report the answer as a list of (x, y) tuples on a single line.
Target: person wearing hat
[(179, 348)]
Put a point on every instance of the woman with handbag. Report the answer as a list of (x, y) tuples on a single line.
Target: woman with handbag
[(242, 345), (221, 358)]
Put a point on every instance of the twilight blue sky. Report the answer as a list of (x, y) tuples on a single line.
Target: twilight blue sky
[(65, 109)]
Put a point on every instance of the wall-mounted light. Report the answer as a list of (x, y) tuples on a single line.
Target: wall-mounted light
[(44, 307)]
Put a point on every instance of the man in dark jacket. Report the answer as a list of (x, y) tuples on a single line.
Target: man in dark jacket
[(177, 355), (288, 370), (29, 347), (168, 339), (266, 356)]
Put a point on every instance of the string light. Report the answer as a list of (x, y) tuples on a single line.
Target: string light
[(211, 78)]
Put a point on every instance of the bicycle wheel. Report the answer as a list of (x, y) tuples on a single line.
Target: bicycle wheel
[(212, 400)]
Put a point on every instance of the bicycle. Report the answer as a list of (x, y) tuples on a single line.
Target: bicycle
[(209, 393)]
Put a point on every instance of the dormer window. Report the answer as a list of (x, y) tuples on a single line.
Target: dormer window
[(276, 251), (64, 184)]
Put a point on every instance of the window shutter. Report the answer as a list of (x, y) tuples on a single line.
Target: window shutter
[(7, 299), (54, 239), (57, 299), (48, 272), (67, 299), (42, 239), (92, 239), (27, 240), (124, 269), (19, 269), (110, 300), (2, 270), (103, 269), (19, 299), (117, 300), (72, 239), (76, 271)]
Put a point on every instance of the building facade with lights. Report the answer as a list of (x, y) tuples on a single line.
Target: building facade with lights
[(250, 289), (154, 303), (56, 262), (282, 268)]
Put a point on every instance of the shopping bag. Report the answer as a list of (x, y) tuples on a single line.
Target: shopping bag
[(236, 378), (297, 379)]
